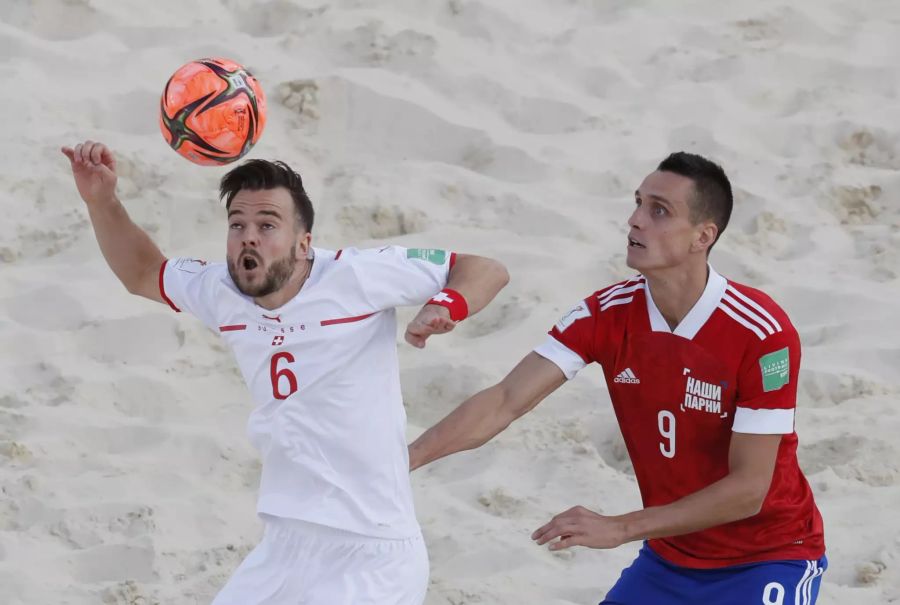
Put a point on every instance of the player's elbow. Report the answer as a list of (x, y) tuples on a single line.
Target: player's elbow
[(501, 273), (144, 282), (139, 287), (492, 271), (752, 497), (752, 508), (510, 408), (491, 415), (133, 286)]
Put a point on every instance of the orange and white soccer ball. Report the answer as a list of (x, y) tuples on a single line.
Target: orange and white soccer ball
[(212, 111)]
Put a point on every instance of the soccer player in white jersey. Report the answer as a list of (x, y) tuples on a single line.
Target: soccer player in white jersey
[(313, 332), (702, 374)]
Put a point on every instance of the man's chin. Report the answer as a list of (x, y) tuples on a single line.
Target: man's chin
[(250, 287), (639, 265), (632, 263)]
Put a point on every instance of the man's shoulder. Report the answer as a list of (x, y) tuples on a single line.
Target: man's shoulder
[(349, 256), (604, 304), (190, 265), (754, 298), (212, 276), (755, 310), (332, 264), (348, 253), (437, 256), (617, 296)]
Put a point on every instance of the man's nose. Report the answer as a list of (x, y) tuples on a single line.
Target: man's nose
[(636, 220), (250, 239)]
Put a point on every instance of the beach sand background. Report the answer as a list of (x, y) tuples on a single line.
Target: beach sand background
[(513, 129)]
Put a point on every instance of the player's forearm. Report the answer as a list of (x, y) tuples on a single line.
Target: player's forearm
[(730, 499), (475, 422), (478, 279), (127, 248)]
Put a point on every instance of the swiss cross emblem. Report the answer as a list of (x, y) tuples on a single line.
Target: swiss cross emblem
[(277, 340), (442, 297)]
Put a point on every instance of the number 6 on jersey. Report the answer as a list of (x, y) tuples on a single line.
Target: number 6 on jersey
[(285, 372)]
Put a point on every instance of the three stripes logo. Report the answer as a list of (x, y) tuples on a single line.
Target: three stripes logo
[(748, 313), (626, 376)]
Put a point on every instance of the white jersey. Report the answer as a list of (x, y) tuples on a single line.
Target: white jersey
[(329, 421)]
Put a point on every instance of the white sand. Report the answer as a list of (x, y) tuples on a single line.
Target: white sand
[(516, 129)]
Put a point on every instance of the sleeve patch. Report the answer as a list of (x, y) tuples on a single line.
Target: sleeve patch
[(775, 368), (438, 257), (572, 316), (190, 265)]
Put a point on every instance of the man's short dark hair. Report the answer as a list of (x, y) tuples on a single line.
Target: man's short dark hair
[(256, 175), (713, 200)]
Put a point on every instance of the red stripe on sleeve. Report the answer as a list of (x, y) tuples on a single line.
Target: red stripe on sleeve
[(452, 260), (162, 286), (338, 255), (233, 328)]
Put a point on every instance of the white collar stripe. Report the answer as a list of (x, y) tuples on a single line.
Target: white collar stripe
[(633, 280), (730, 312), (616, 301), (620, 290), (732, 290), (749, 314)]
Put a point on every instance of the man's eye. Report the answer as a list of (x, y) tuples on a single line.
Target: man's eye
[(235, 226), (268, 226), (660, 211)]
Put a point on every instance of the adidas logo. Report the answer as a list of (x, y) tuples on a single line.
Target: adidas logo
[(627, 376)]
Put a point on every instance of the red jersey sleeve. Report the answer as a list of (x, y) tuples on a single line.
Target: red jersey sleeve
[(571, 342), (767, 382)]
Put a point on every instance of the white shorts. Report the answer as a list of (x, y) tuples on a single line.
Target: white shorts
[(299, 563)]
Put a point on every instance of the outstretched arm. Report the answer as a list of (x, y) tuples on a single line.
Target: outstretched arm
[(738, 495), (478, 419), (128, 250), (478, 279)]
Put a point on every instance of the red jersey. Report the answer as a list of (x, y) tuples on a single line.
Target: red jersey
[(731, 365)]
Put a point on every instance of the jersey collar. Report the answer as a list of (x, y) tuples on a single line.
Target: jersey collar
[(699, 313)]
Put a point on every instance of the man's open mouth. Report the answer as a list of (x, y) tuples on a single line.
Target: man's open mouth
[(633, 243), (249, 263)]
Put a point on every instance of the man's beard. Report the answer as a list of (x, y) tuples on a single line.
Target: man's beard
[(279, 273)]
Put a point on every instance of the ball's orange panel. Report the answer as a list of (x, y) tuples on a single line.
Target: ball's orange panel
[(212, 111)]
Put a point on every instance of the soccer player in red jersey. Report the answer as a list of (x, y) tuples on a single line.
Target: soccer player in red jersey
[(702, 374)]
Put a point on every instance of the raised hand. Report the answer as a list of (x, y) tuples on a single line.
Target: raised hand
[(94, 169)]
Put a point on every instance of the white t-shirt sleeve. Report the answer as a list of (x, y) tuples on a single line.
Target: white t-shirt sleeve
[(571, 342), (394, 276), (565, 358), (192, 285)]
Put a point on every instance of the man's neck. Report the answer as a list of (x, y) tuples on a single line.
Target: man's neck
[(290, 289), (676, 291)]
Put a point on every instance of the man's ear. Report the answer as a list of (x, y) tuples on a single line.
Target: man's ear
[(304, 245), (705, 238)]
